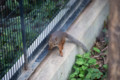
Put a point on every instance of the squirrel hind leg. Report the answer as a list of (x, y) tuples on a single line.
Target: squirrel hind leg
[(61, 47), (60, 50), (63, 41)]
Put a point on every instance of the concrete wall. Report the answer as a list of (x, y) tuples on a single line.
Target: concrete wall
[(86, 28)]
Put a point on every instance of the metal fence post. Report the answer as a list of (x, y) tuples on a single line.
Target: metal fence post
[(23, 33)]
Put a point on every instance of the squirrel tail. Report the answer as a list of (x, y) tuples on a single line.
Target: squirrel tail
[(77, 42)]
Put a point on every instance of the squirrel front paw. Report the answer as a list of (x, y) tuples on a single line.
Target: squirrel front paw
[(61, 54)]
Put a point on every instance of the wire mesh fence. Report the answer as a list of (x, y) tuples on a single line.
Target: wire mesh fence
[(11, 45), (36, 15)]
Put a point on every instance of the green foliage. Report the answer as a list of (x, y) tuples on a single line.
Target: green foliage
[(105, 66), (93, 74), (96, 49), (91, 65), (73, 79), (12, 4), (92, 61), (85, 68), (10, 48), (48, 9)]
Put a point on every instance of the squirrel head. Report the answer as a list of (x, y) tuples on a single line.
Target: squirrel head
[(53, 42)]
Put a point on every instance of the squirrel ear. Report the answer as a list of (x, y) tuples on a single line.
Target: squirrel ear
[(56, 39)]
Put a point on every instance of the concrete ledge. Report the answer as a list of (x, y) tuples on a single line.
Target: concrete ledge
[(86, 28)]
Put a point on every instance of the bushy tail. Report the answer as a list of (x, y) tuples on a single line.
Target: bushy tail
[(77, 42)]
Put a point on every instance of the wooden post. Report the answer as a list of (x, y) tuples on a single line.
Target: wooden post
[(114, 41)]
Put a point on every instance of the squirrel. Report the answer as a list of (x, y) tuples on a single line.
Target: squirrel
[(57, 39)]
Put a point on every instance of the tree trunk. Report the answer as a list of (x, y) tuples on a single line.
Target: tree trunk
[(114, 41)]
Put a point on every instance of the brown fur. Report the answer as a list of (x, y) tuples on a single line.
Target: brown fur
[(57, 39)]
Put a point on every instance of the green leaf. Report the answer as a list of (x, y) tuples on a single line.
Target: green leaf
[(76, 71), (80, 61), (73, 79), (86, 55), (92, 61), (79, 79), (78, 55), (74, 66), (84, 67), (97, 66), (77, 68), (98, 75), (87, 79), (81, 75), (93, 76), (80, 69), (72, 75), (88, 76), (86, 64), (105, 66), (95, 70), (90, 70), (96, 49), (95, 73)]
